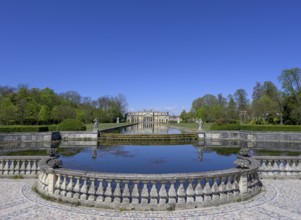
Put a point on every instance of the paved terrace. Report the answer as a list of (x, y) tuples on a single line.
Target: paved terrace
[(281, 199)]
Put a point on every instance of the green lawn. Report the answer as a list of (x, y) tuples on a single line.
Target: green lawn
[(103, 126), (193, 126)]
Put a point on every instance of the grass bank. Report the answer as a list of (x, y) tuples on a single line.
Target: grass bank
[(192, 126), (104, 126)]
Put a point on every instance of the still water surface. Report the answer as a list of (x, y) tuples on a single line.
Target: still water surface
[(148, 159)]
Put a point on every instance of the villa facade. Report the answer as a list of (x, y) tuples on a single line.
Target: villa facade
[(147, 117)]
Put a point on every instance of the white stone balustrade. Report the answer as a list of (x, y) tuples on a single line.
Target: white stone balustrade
[(149, 191), (279, 166), (19, 165)]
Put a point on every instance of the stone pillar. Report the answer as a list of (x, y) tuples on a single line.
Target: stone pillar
[(52, 178), (117, 120), (243, 184)]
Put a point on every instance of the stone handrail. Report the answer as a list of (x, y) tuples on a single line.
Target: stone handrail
[(149, 191), (279, 166), (19, 165)]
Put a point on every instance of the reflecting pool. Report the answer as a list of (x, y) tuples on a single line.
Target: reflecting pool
[(148, 159), (148, 128)]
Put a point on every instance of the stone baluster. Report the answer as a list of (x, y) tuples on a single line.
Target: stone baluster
[(70, 187), (275, 167), (181, 193), (270, 168), (126, 193), (77, 187), (11, 167), (117, 192), (135, 193), (91, 190), (1, 166), (298, 165), (282, 170), (207, 192), (84, 189), (190, 192), (199, 193), (99, 192), (214, 190), (57, 186), (162, 194), (108, 192), (288, 168), (172, 194), (263, 167), (23, 167), (35, 167), (144, 193), (17, 168), (6, 167), (63, 186), (236, 187), (28, 167), (153, 194), (294, 166), (229, 189), (222, 190)]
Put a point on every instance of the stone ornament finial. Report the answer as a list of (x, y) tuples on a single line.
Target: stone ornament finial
[(200, 128), (241, 163), (53, 152), (95, 127), (55, 163), (244, 152)]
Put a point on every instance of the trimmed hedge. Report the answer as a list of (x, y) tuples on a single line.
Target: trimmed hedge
[(71, 125), (52, 127), (23, 128), (234, 127), (237, 127)]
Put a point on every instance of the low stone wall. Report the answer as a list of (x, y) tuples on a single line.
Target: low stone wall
[(279, 166), (26, 166), (79, 135), (149, 192), (25, 137), (254, 136)]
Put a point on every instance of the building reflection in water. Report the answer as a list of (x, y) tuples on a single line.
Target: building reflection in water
[(148, 128)]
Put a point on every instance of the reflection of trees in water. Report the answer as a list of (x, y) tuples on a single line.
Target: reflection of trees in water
[(149, 128), (118, 151), (70, 151), (226, 151)]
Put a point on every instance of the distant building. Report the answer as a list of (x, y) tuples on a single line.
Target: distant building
[(147, 116), (150, 116), (175, 119)]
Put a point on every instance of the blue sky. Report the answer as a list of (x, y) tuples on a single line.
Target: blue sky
[(160, 54)]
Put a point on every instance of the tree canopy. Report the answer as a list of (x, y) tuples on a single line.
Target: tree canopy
[(268, 105), (25, 105)]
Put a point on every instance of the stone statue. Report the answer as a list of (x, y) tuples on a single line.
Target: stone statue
[(95, 125), (200, 125)]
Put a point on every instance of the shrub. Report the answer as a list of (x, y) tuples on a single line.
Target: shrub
[(71, 125), (52, 127), (236, 127), (223, 121), (23, 128)]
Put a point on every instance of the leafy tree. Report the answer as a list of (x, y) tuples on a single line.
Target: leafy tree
[(291, 84), (7, 111), (44, 114), (231, 112), (241, 98)]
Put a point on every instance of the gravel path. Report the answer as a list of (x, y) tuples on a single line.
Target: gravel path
[(281, 199)]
